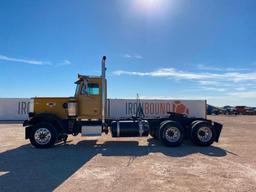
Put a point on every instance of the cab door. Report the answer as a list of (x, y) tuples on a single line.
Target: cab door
[(90, 99)]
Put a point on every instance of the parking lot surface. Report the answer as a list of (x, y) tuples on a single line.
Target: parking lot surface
[(131, 164)]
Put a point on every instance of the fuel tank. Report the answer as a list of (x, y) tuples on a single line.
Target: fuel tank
[(130, 128)]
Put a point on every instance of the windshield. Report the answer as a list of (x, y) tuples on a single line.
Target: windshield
[(90, 89)]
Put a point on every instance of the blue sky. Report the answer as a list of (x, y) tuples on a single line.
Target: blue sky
[(158, 48)]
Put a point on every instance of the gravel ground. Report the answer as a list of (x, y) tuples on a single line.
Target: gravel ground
[(131, 164)]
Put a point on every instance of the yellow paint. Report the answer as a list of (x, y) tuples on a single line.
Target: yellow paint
[(89, 106), (53, 105)]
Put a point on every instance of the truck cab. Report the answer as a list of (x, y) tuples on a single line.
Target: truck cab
[(89, 97)]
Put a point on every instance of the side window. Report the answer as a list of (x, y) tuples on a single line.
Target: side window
[(77, 89), (90, 89)]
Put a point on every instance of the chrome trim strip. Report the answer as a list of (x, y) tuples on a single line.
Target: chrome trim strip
[(118, 129)]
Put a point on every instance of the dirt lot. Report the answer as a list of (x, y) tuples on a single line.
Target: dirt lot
[(131, 164)]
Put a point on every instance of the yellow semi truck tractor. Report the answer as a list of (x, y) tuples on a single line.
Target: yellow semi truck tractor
[(52, 119)]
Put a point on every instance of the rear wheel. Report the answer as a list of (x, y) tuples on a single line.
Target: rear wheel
[(171, 133), (194, 122), (43, 135), (202, 133)]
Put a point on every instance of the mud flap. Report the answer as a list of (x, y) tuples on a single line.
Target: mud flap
[(27, 131), (25, 123), (218, 128)]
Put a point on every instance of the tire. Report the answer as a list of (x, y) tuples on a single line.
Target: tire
[(193, 123), (43, 135), (202, 133), (171, 133)]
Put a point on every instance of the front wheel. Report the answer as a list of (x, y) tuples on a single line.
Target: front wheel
[(43, 135), (171, 133)]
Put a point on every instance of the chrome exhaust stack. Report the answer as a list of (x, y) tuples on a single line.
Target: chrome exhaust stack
[(103, 79)]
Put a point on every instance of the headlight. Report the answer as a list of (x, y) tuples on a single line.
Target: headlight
[(72, 109)]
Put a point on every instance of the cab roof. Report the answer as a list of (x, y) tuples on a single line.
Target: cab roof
[(85, 77)]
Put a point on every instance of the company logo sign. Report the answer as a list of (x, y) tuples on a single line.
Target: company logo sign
[(156, 108), (179, 107), (23, 107)]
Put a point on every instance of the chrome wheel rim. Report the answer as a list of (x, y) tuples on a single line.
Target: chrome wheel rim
[(42, 136), (172, 134), (204, 134)]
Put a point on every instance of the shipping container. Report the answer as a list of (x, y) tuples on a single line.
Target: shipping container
[(18, 108)]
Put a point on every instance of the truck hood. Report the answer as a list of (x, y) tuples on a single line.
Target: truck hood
[(53, 105)]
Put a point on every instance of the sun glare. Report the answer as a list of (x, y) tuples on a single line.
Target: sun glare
[(151, 7)]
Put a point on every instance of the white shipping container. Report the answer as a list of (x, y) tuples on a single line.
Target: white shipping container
[(18, 108), (14, 108)]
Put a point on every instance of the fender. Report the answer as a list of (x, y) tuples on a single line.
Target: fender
[(44, 117)]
